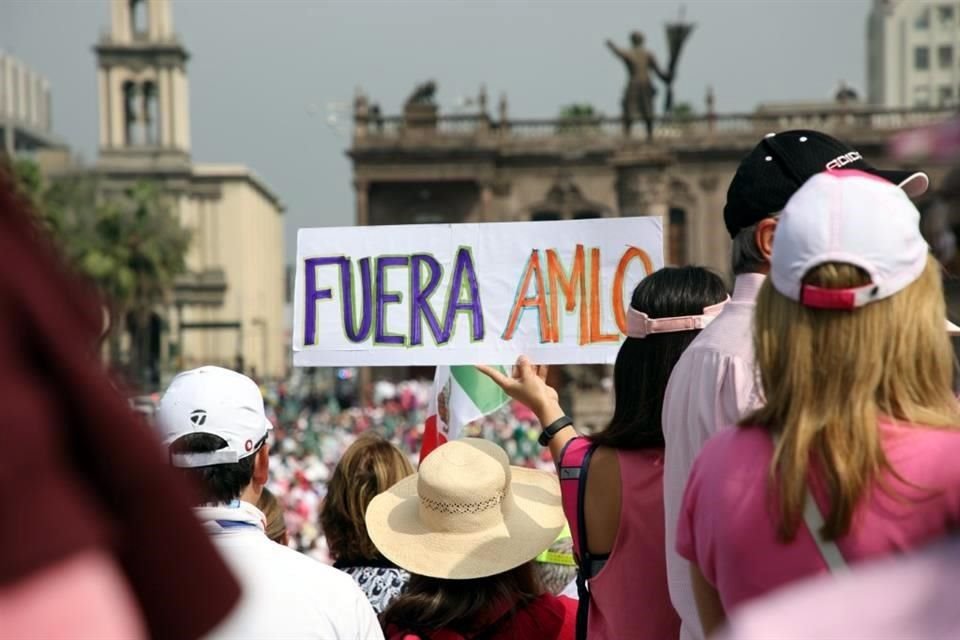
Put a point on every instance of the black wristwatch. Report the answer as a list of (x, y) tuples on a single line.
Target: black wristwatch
[(551, 430)]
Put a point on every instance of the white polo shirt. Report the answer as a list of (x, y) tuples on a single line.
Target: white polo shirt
[(285, 593)]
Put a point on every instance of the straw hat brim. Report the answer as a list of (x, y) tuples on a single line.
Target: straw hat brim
[(526, 529)]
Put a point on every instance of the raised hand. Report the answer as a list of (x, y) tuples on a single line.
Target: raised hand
[(528, 384)]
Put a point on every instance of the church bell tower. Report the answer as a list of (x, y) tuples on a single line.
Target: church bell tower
[(142, 88)]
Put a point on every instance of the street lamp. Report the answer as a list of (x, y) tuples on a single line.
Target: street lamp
[(677, 34)]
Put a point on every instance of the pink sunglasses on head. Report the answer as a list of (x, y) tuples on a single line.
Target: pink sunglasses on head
[(640, 325)]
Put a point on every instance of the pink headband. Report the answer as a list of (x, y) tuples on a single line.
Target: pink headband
[(640, 325)]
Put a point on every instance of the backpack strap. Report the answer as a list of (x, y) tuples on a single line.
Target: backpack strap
[(829, 550), (572, 469), (814, 521)]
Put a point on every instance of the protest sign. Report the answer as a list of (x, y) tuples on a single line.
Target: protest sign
[(469, 293)]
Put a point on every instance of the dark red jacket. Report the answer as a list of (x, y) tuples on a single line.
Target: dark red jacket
[(77, 469), (546, 618)]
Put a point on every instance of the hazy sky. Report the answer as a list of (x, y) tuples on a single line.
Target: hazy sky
[(263, 72)]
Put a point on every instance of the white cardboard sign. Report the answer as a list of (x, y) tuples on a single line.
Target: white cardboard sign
[(469, 293)]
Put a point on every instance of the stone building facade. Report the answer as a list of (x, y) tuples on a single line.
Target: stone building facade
[(228, 309), (414, 168), (468, 168), (913, 53), (26, 116)]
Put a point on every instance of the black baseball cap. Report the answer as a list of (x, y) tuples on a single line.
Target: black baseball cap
[(782, 162)]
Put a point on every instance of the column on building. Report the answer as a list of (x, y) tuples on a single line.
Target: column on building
[(362, 189), (164, 88), (6, 100), (181, 100)]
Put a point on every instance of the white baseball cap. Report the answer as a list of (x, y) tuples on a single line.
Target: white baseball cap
[(852, 217), (214, 401)]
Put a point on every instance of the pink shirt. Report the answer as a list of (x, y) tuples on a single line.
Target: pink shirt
[(728, 527), (918, 592), (628, 598), (83, 596), (712, 386)]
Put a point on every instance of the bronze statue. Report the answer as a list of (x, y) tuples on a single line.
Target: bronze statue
[(423, 93), (639, 93)]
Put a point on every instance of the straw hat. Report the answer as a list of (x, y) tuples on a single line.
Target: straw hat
[(466, 514)]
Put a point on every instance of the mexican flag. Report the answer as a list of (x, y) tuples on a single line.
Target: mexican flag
[(460, 395)]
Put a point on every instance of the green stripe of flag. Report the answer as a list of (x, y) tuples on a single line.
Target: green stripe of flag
[(483, 392)]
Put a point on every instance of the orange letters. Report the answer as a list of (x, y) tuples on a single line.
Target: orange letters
[(569, 287), (619, 310), (523, 301), (596, 333), (573, 288)]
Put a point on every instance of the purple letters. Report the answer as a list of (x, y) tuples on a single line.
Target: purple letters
[(464, 269), (420, 297), (462, 296), (385, 297), (346, 286)]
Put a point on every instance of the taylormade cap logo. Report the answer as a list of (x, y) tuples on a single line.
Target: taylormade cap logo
[(844, 160), (198, 417)]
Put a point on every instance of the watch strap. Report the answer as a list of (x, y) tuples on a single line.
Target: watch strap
[(551, 430)]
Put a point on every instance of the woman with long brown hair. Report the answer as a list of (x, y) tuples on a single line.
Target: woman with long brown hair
[(274, 526), (467, 526), (854, 453), (369, 466)]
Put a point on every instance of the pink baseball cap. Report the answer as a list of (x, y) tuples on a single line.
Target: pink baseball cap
[(852, 217)]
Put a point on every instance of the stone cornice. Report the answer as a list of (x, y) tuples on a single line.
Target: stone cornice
[(139, 54)]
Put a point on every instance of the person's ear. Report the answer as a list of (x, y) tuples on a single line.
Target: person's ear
[(763, 237), (261, 466)]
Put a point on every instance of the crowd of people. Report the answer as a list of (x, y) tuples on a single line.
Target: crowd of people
[(313, 429), (781, 461)]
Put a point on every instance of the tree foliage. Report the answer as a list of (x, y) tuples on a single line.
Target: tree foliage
[(130, 244), (578, 117), (682, 111)]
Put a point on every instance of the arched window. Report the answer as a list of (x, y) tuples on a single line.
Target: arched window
[(151, 125), (677, 237), (131, 132), (138, 17)]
